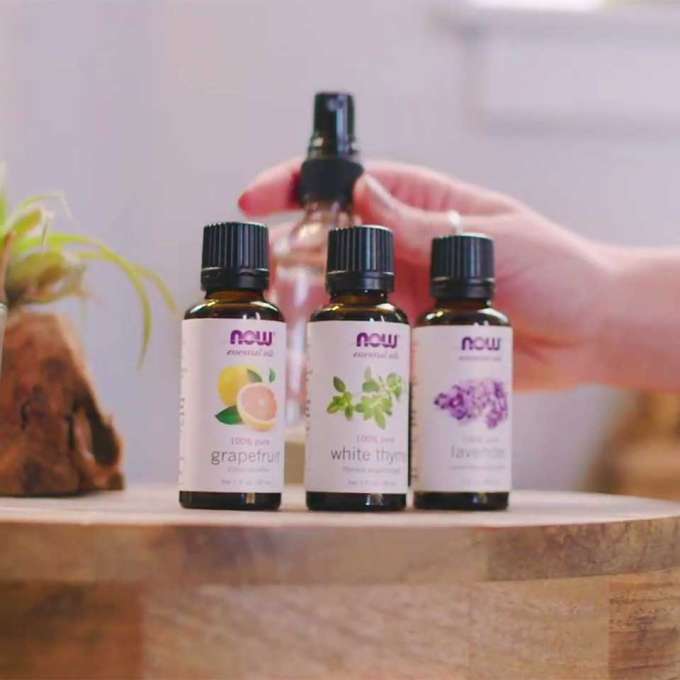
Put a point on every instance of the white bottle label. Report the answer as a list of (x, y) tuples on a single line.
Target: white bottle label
[(232, 405), (357, 407), (462, 394)]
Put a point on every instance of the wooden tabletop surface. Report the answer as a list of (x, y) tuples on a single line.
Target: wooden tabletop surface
[(563, 586), (157, 505)]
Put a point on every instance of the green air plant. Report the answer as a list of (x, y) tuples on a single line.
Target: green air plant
[(39, 265)]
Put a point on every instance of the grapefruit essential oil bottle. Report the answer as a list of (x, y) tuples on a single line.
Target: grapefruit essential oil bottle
[(358, 349), (233, 378), (462, 387)]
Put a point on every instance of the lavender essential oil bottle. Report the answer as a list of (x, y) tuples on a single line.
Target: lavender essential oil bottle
[(233, 378), (358, 348), (462, 384)]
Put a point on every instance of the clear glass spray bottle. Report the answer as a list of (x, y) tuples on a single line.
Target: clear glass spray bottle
[(327, 178)]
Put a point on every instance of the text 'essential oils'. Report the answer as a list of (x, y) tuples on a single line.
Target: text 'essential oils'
[(232, 409), (358, 349), (462, 386)]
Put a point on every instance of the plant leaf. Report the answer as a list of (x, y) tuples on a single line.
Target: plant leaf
[(134, 273), (31, 214), (272, 375), (229, 416), (379, 417), (339, 385), (22, 221), (333, 407), (161, 286), (253, 376), (370, 386), (4, 205), (43, 277), (59, 240), (107, 255), (57, 196), (349, 411)]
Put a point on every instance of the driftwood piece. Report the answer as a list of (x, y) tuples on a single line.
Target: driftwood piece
[(54, 438)]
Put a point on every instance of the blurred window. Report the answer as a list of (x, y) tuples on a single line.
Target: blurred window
[(559, 5)]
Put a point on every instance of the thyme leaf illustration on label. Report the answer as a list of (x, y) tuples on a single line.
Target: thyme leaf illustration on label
[(375, 402)]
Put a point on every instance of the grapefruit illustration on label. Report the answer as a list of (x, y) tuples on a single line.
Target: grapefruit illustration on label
[(232, 379), (256, 405), (248, 400)]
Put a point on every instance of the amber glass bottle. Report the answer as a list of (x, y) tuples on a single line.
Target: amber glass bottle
[(232, 411), (462, 386), (358, 380)]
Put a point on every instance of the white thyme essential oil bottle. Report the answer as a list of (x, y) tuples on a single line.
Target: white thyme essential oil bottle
[(358, 348), (462, 384)]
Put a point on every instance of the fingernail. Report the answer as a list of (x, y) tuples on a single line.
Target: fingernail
[(456, 220), (243, 201)]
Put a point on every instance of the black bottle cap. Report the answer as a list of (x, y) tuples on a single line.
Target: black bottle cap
[(360, 258), (462, 266), (235, 255), (331, 167)]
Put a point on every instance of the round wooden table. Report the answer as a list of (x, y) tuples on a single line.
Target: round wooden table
[(128, 585)]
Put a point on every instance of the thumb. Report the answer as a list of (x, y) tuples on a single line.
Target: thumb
[(413, 228)]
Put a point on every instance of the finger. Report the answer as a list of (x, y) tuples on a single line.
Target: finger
[(426, 189), (273, 190), (413, 228)]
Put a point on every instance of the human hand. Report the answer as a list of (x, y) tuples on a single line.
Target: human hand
[(551, 282)]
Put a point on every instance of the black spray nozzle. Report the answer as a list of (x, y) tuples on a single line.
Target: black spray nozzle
[(333, 133), (331, 167)]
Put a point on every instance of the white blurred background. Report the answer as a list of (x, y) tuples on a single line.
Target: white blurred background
[(152, 116)]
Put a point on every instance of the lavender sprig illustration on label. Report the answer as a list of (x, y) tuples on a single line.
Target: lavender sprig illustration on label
[(375, 401), (471, 400)]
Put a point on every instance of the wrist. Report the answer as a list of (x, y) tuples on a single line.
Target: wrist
[(640, 290), (606, 345)]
